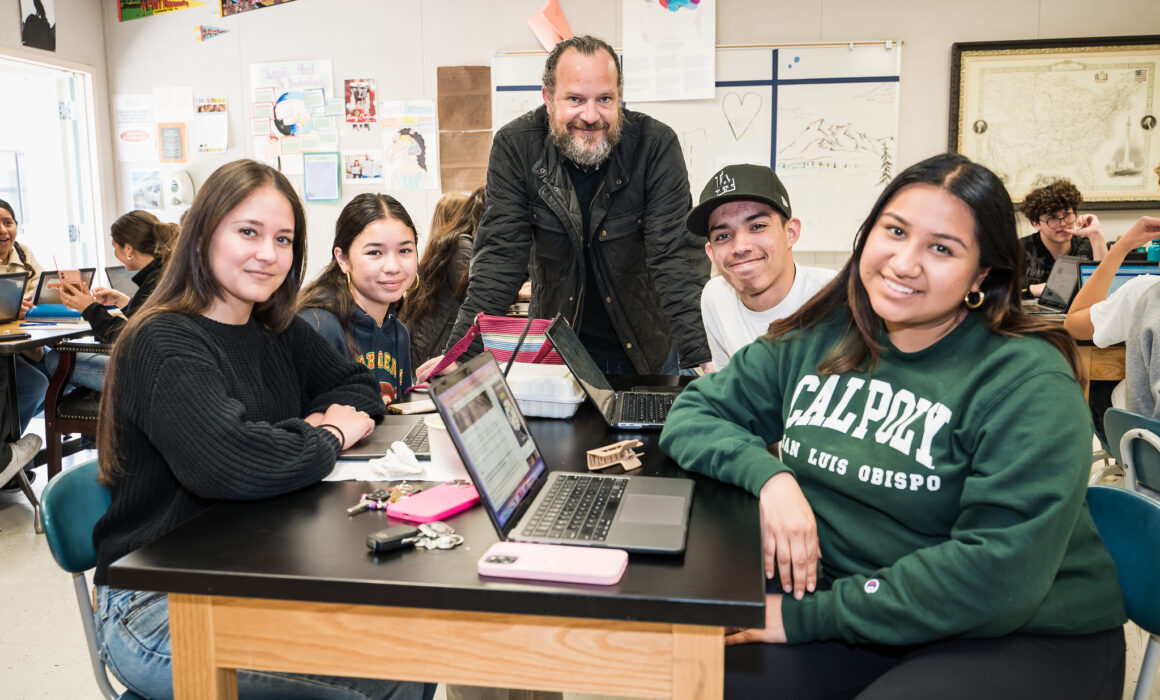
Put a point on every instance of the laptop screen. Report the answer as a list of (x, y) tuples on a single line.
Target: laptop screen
[(11, 294), (48, 290), (1126, 272), (1062, 283), (576, 356), (481, 414), (121, 280)]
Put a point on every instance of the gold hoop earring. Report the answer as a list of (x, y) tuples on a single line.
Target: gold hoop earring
[(349, 284), (974, 299), (416, 285)]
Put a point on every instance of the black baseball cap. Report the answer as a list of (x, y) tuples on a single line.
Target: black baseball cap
[(756, 183)]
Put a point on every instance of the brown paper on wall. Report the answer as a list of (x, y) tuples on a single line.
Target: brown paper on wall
[(464, 97), (463, 159)]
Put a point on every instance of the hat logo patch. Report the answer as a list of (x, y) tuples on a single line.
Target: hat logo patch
[(725, 184)]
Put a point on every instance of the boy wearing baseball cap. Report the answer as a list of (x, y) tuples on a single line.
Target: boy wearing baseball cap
[(744, 213)]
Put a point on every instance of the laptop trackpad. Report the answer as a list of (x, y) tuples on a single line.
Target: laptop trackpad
[(653, 510)]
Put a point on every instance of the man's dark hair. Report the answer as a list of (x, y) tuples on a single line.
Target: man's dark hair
[(586, 45), (1045, 201)]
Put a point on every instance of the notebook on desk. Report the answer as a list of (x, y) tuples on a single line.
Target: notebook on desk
[(525, 502), (621, 409)]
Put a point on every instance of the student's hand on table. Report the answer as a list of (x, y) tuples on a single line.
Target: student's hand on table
[(75, 295), (789, 535), (314, 419), (354, 425), (424, 370), (25, 304), (774, 632), (110, 297), (1037, 289)]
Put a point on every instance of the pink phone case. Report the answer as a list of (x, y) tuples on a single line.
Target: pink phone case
[(434, 503), (554, 562)]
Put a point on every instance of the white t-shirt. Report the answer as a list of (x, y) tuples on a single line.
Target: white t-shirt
[(1112, 317), (729, 325)]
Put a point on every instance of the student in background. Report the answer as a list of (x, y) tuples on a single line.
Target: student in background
[(745, 214), (1059, 230), (141, 243), (925, 521), (353, 303), (218, 392), (430, 310), (1110, 319)]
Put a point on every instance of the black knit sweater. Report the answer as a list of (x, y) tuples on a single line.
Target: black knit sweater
[(207, 411), (106, 327)]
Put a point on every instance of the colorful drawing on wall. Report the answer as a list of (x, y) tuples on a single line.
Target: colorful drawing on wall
[(145, 189), (360, 101), (410, 137), (136, 9), (291, 115), (362, 167), (204, 33), (235, 7), (38, 28)]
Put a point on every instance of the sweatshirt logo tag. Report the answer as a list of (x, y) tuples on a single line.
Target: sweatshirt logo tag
[(871, 586)]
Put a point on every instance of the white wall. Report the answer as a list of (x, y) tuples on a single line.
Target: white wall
[(80, 45), (399, 43)]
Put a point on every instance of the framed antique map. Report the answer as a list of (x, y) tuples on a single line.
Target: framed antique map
[(1081, 109)]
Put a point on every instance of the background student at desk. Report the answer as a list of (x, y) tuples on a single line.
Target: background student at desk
[(218, 392)]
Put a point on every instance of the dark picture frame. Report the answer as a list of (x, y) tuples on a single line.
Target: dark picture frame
[(1084, 109)]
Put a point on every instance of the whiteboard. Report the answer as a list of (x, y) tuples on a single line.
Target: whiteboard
[(824, 117)]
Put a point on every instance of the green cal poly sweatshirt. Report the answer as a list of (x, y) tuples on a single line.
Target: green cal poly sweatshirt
[(948, 484)]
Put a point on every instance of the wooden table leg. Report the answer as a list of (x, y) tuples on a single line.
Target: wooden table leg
[(195, 674)]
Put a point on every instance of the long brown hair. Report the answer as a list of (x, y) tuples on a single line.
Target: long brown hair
[(145, 233), (435, 266), (188, 285), (331, 291), (999, 249)]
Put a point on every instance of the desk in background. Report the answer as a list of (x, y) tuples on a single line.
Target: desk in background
[(41, 336), (287, 585)]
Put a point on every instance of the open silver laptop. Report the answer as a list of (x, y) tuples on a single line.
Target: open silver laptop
[(411, 430), (121, 280), (11, 294), (621, 409), (1061, 287), (525, 502), (48, 288)]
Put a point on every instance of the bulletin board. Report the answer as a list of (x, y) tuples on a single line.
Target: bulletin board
[(824, 116)]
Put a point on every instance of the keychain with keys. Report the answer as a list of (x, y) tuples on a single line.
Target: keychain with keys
[(375, 500), (442, 542), (435, 529)]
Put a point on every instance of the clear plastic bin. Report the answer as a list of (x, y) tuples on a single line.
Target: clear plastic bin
[(545, 391)]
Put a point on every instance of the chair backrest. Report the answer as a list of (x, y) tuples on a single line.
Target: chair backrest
[(70, 507), (1129, 524), (1144, 458)]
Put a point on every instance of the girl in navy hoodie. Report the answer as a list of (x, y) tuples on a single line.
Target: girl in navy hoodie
[(353, 303)]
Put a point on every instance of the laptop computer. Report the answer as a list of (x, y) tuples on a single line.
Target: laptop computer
[(1061, 287), (48, 288), (11, 294), (121, 280), (1127, 271), (621, 409), (410, 429), (525, 502)]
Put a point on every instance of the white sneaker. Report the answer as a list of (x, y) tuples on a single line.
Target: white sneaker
[(23, 451)]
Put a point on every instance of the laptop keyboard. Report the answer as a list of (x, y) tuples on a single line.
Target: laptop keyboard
[(640, 407), (577, 507), (416, 438)]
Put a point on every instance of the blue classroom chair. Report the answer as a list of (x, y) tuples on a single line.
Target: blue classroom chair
[(70, 507), (1129, 524), (1134, 442)]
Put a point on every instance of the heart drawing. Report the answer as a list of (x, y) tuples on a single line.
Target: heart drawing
[(740, 111)]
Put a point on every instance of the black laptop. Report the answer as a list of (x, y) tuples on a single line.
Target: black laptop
[(11, 294), (48, 288), (1061, 287), (621, 409)]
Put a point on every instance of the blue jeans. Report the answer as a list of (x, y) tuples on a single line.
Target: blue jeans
[(88, 370), (133, 631), (31, 386)]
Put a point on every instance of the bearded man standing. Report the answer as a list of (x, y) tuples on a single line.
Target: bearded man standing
[(594, 197)]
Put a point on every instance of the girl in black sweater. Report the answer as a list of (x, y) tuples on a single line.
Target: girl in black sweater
[(217, 392)]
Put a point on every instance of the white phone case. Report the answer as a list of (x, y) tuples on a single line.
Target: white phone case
[(554, 562)]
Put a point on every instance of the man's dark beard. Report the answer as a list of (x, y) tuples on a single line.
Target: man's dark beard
[(586, 157)]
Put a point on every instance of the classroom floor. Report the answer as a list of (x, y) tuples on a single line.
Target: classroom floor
[(42, 646)]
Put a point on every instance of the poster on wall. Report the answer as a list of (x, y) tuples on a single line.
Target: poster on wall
[(135, 128), (668, 50), (171, 142), (236, 7), (38, 26), (136, 9), (145, 189), (211, 126), (321, 181), (410, 137), (360, 102), (362, 167)]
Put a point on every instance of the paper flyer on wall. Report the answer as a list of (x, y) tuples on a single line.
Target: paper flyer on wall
[(173, 104), (669, 50), (145, 189), (360, 101), (136, 9), (410, 137), (135, 127), (362, 167), (211, 126)]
